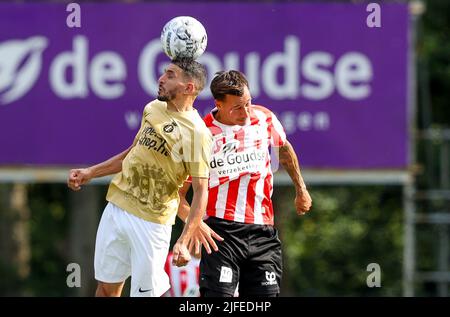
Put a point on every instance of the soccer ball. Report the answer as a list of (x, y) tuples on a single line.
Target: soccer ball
[(184, 36)]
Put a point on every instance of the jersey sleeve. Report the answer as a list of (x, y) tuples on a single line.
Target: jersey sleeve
[(277, 134), (144, 114), (199, 165)]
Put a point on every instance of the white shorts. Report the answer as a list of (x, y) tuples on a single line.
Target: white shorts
[(127, 245)]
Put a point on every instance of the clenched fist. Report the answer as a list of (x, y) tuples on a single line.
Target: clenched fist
[(78, 177)]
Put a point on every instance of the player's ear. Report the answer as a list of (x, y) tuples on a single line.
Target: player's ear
[(217, 103), (189, 88)]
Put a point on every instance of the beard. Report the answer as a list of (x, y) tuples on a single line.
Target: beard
[(167, 97), (162, 98)]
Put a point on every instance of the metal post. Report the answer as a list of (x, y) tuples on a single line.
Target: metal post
[(416, 8), (443, 230), (409, 248), (443, 258), (445, 157)]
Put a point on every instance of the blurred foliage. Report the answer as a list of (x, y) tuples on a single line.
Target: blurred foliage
[(49, 239), (434, 61), (10, 282), (327, 251), (48, 228), (433, 71)]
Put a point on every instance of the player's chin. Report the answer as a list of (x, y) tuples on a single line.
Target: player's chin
[(162, 98)]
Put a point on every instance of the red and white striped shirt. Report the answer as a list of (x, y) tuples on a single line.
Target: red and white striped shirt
[(183, 280), (241, 180)]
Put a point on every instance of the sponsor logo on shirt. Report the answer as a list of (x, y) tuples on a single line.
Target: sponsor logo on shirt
[(153, 141), (228, 162)]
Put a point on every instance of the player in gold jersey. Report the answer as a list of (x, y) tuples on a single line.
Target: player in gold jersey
[(134, 233)]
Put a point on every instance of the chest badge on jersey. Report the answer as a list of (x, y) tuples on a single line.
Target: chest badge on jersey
[(230, 147), (168, 128)]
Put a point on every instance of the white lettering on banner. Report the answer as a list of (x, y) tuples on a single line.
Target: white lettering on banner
[(322, 74), (108, 67), (321, 121), (353, 67), (231, 60), (287, 60), (133, 119), (290, 120), (252, 61), (304, 121), (146, 66), (313, 69), (77, 60), (213, 65), (351, 76), (105, 67)]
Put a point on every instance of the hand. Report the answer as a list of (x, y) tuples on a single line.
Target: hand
[(303, 202), (78, 177), (204, 235), (181, 255)]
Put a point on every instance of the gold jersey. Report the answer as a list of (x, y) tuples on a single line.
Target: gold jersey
[(169, 147)]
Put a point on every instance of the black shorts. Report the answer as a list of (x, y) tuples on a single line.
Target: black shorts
[(249, 255)]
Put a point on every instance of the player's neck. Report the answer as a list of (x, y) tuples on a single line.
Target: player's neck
[(180, 105), (219, 118)]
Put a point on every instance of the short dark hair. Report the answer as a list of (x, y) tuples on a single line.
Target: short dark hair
[(230, 82), (192, 70)]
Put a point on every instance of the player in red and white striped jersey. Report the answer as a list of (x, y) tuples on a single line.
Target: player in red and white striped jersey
[(240, 188), (240, 182)]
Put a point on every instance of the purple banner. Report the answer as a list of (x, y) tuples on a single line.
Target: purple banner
[(75, 95)]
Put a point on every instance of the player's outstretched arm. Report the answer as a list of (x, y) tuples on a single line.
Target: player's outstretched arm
[(195, 233), (205, 231), (81, 176), (288, 159), (184, 207)]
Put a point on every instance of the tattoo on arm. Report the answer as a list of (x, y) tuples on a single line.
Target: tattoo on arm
[(288, 159)]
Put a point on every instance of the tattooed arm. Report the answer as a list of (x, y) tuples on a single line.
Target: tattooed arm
[(288, 159)]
